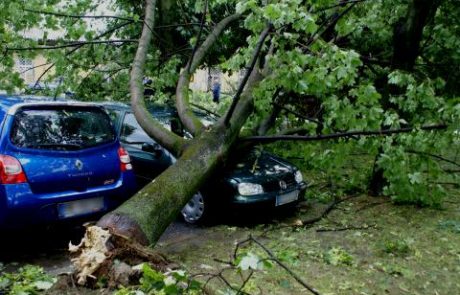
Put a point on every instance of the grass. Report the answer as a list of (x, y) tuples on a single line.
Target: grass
[(407, 250)]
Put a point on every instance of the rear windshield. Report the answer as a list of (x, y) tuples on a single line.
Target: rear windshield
[(68, 128)]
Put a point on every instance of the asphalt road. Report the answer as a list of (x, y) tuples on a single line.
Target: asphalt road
[(47, 247)]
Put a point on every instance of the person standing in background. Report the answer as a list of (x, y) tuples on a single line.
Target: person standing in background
[(215, 90)]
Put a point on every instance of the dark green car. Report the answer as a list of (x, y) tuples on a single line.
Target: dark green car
[(258, 178)]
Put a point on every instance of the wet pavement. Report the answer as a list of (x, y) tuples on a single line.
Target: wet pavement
[(47, 247)]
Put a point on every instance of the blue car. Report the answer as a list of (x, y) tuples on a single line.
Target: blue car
[(59, 161)]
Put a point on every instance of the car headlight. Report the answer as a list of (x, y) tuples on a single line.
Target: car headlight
[(298, 176), (247, 189)]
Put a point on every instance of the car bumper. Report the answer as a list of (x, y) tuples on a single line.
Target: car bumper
[(19, 206), (269, 198)]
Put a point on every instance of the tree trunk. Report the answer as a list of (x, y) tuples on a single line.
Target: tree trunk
[(408, 33), (407, 37), (146, 215)]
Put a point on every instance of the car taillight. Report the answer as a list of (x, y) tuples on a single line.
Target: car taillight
[(11, 170), (125, 160)]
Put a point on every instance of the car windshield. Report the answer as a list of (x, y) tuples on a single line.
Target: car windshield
[(61, 128)]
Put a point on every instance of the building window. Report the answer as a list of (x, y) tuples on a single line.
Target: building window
[(25, 68)]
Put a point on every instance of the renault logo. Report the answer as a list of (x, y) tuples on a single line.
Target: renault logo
[(283, 184), (79, 164)]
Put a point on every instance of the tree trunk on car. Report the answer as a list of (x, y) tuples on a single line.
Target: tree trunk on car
[(147, 214)]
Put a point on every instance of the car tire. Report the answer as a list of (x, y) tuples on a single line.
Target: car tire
[(197, 210)]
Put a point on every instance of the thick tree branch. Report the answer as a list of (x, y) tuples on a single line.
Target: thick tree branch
[(298, 115), (205, 110), (250, 68), (190, 121), (35, 67), (328, 24), (341, 3), (61, 14), (269, 139), (433, 156), (71, 44), (73, 50), (43, 75), (179, 25), (198, 38), (152, 127), (78, 16), (408, 32), (268, 122)]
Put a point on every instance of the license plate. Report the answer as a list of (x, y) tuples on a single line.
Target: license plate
[(287, 198), (80, 207)]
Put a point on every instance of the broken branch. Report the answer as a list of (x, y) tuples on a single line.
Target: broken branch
[(190, 121), (250, 68), (269, 139)]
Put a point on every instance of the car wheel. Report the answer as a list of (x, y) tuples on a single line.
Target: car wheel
[(195, 210)]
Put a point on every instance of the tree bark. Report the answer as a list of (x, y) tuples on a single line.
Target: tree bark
[(408, 32)]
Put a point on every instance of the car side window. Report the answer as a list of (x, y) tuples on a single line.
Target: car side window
[(114, 115), (132, 132)]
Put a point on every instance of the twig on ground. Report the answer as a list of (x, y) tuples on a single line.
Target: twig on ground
[(275, 259), (370, 205), (219, 275), (325, 212), (224, 261), (245, 282), (310, 221), (238, 245), (451, 202), (347, 228), (271, 256)]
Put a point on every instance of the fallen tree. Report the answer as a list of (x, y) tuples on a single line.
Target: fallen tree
[(147, 214), (307, 72)]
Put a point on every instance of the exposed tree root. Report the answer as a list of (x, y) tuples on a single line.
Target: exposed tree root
[(104, 254)]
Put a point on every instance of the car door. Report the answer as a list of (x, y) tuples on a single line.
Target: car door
[(148, 158)]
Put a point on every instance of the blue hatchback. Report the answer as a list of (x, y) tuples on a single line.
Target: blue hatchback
[(58, 161)]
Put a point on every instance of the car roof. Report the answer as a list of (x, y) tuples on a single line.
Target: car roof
[(11, 103), (157, 109)]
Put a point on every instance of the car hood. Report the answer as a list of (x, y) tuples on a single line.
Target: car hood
[(259, 167)]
